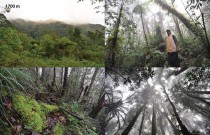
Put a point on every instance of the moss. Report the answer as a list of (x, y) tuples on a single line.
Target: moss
[(58, 129), (32, 112)]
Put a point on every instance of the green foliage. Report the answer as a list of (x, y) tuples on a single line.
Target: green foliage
[(75, 47), (32, 112), (80, 127), (12, 80), (58, 130), (5, 130), (192, 53)]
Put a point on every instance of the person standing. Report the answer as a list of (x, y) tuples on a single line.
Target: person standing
[(172, 49)]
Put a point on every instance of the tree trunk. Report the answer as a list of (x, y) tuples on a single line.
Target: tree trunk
[(54, 76), (176, 131), (198, 92), (160, 121), (130, 126), (42, 79), (194, 29), (184, 130), (177, 25), (113, 42), (86, 94), (37, 75), (142, 123), (61, 75), (81, 87), (65, 79), (142, 21), (153, 121), (98, 107)]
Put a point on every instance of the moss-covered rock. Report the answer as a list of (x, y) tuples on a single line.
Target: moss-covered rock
[(32, 112)]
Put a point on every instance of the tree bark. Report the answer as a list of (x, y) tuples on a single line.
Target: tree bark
[(142, 123), (42, 79), (131, 124), (184, 130), (81, 87), (142, 21), (113, 42), (176, 131), (153, 121), (86, 94), (65, 79), (54, 76), (93, 114)]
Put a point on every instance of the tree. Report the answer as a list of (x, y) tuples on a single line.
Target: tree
[(194, 29), (65, 79), (130, 125)]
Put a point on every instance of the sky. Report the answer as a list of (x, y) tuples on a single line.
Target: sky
[(68, 11)]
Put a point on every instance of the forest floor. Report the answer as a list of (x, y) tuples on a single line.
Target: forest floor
[(43, 114)]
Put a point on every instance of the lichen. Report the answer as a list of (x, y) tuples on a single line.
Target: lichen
[(58, 129), (32, 112)]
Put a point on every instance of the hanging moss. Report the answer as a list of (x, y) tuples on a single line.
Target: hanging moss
[(32, 112)]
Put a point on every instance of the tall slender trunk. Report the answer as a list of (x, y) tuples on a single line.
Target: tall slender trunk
[(86, 94), (131, 124), (177, 25), (98, 107), (176, 131), (160, 122), (65, 79), (37, 75), (153, 121), (184, 130), (42, 78), (142, 123), (113, 42), (54, 76), (142, 21), (81, 87), (61, 75)]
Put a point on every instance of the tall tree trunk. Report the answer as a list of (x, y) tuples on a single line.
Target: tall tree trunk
[(142, 123), (177, 24), (160, 121), (37, 75), (153, 121), (176, 131), (86, 94), (65, 79), (184, 130), (42, 79), (81, 87), (194, 29), (61, 75), (113, 41), (142, 21), (98, 107), (131, 124), (54, 76), (69, 83)]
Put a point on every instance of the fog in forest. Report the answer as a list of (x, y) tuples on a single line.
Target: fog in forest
[(157, 101), (136, 32)]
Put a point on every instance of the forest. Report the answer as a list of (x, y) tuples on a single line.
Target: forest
[(157, 101), (136, 32), (56, 101), (30, 44)]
